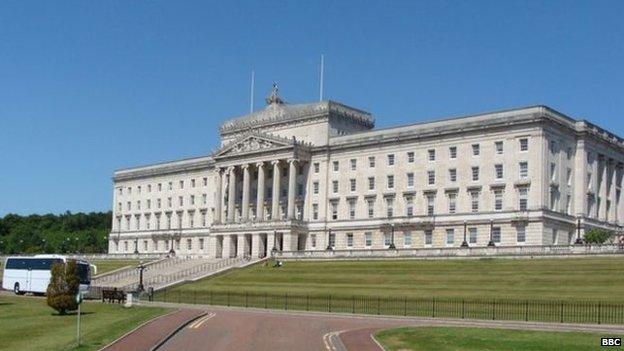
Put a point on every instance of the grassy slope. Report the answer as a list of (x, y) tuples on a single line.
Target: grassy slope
[(29, 324), (574, 278), (104, 266), (473, 339)]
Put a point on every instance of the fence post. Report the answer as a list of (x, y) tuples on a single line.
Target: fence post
[(210, 296), (599, 308), (165, 294), (330, 303), (493, 310), (561, 312), (179, 296), (433, 305), (265, 301), (307, 302), (405, 306), (378, 305), (286, 301), (195, 297), (353, 304), (463, 309), (246, 298), (228, 299), (526, 310)]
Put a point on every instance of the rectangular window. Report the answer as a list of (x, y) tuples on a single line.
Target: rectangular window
[(430, 204), (407, 239), (410, 180), (474, 201), (387, 239), (349, 239), (428, 237), (180, 200), (368, 239), (158, 203), (498, 200), (475, 174), (332, 240), (353, 163), (149, 204), (204, 199), (351, 209), (476, 150), (472, 237), (521, 234), (409, 206), (453, 152), (159, 186), (524, 144), (496, 234), (139, 189), (553, 171), (371, 183), (315, 188), (523, 170), (313, 240), (169, 202), (499, 147), (129, 206), (431, 155), (192, 183), (391, 160), (523, 199), (450, 236), (335, 186), (453, 175), (370, 204), (389, 207), (138, 205), (170, 185), (336, 166), (315, 211), (317, 167), (569, 176), (192, 200), (498, 171), (334, 210), (390, 182), (452, 202), (352, 185), (203, 218), (201, 244), (181, 184), (149, 188), (431, 177), (410, 157), (371, 161), (205, 181)]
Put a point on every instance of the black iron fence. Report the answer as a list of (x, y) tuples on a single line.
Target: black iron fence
[(594, 312)]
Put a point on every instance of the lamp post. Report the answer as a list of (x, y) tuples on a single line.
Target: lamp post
[(43, 245), (141, 268), (491, 243), (392, 246), (465, 243), (579, 240), (329, 245)]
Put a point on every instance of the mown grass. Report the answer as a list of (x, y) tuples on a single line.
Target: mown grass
[(29, 324), (560, 279), (475, 339), (104, 266)]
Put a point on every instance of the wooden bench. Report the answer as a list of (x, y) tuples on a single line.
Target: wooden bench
[(113, 295)]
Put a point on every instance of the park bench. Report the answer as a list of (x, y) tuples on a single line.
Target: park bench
[(113, 295)]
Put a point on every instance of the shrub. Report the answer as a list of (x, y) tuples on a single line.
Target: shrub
[(63, 287), (597, 236)]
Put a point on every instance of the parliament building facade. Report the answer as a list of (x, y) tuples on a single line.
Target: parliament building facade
[(316, 176)]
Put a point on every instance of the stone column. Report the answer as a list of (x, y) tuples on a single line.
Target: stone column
[(231, 195), (612, 209), (218, 196), (245, 202), (241, 247), (255, 245), (602, 211), (270, 242), (291, 240), (292, 188), (276, 189), (580, 174), (260, 198), (619, 217)]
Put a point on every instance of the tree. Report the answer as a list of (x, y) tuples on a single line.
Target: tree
[(63, 287), (597, 236)]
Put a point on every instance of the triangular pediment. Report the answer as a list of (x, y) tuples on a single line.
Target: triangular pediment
[(252, 143)]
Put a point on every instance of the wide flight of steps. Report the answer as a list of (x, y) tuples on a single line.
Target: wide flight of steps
[(166, 272)]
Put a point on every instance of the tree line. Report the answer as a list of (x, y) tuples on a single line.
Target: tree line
[(50, 233)]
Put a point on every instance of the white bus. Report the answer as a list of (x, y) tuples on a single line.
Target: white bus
[(24, 274)]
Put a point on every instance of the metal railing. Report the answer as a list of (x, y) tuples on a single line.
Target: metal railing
[(555, 311)]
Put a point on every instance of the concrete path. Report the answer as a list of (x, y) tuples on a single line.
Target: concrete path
[(224, 328), (155, 332)]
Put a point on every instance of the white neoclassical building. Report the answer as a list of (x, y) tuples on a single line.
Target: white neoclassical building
[(309, 176)]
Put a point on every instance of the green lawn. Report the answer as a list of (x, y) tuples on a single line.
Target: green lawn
[(29, 324), (570, 279), (104, 266), (474, 339)]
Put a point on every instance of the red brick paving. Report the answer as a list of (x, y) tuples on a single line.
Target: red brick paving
[(155, 332)]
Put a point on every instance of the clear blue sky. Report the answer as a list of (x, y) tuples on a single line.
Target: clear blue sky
[(89, 87)]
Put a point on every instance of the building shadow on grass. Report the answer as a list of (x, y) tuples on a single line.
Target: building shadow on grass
[(72, 313)]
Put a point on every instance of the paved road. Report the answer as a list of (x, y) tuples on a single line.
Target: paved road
[(239, 329)]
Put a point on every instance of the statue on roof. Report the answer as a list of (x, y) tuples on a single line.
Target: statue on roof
[(274, 98)]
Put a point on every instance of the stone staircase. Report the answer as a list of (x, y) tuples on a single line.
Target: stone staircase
[(163, 273)]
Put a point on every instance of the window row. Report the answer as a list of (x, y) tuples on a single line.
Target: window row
[(159, 186), (159, 203), (158, 221)]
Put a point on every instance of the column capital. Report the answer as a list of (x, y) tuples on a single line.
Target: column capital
[(260, 164), (245, 166), (218, 170), (275, 162), (230, 169), (293, 160)]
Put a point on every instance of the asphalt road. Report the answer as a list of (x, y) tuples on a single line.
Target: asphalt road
[(259, 330)]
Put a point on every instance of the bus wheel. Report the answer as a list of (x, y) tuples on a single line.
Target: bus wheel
[(16, 289)]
